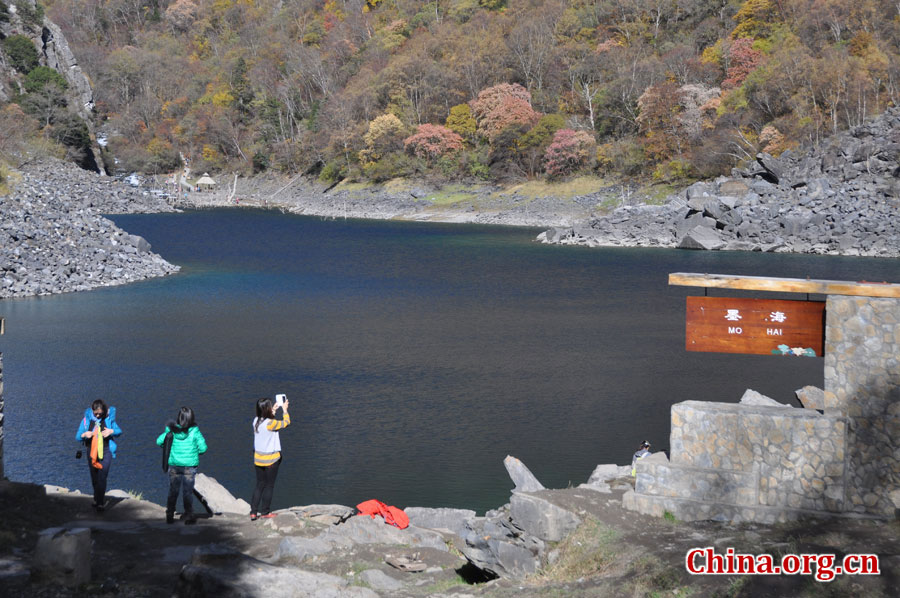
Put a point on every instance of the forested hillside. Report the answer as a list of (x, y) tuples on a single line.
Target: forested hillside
[(491, 89)]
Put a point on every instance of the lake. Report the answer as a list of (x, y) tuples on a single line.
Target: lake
[(416, 356)]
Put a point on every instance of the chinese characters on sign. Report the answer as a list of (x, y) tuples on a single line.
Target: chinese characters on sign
[(758, 326)]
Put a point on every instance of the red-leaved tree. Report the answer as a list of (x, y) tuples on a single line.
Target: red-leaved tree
[(501, 106), (569, 152), (432, 141), (742, 60)]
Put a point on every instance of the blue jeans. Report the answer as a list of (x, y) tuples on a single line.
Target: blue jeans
[(181, 478)]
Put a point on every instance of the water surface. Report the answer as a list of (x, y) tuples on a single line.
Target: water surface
[(416, 356)]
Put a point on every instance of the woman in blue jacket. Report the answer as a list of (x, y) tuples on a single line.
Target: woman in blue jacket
[(98, 430)]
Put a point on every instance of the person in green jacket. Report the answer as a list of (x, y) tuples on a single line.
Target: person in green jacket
[(184, 457)]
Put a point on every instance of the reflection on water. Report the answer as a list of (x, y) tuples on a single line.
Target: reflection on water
[(416, 356)]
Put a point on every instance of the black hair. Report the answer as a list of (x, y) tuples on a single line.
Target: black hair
[(263, 411), (185, 418), (104, 410)]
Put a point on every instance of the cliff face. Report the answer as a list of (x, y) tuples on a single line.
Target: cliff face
[(26, 18)]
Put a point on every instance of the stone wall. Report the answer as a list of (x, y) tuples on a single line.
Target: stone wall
[(741, 462), (767, 464), (862, 381)]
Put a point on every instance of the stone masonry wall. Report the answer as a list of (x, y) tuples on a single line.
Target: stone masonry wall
[(762, 463), (797, 455), (862, 381)]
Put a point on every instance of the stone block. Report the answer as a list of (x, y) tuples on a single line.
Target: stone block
[(702, 237), (379, 580), (541, 518), (64, 555), (752, 397), (328, 514), (217, 498), (368, 530), (521, 475), (606, 472), (452, 520)]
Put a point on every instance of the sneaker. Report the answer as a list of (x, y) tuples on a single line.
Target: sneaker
[(253, 517), (170, 516), (190, 520), (268, 516)]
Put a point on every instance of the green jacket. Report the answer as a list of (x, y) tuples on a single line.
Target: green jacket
[(187, 445)]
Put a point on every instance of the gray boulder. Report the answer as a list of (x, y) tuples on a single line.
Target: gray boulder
[(380, 580), (64, 555), (368, 530), (692, 221), (811, 397), (495, 545), (521, 475), (452, 520), (217, 498), (733, 187), (541, 518), (751, 397), (328, 514), (606, 472), (299, 549), (702, 237)]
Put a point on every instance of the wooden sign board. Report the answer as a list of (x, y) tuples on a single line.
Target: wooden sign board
[(756, 326)]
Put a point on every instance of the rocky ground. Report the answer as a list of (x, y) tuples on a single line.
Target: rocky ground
[(53, 238), (841, 198), (398, 200), (325, 552)]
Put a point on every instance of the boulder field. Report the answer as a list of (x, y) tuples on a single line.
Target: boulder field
[(839, 198), (54, 239)]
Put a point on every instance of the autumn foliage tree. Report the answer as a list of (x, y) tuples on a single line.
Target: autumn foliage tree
[(743, 59), (432, 141), (501, 106), (569, 152), (660, 107), (461, 121), (385, 135), (296, 83)]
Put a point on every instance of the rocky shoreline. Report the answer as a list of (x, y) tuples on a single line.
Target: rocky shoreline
[(53, 238), (840, 198), (574, 542)]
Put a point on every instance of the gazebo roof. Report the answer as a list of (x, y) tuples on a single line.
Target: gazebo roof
[(205, 180)]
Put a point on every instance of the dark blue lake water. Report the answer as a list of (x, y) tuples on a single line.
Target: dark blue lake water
[(416, 356)]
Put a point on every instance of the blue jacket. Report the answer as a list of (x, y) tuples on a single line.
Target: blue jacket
[(109, 422)]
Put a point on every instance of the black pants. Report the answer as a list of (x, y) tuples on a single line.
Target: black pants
[(98, 476), (265, 485)]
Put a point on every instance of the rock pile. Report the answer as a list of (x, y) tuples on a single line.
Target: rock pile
[(54, 240), (839, 198)]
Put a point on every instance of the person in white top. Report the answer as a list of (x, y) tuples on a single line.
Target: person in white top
[(267, 453)]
